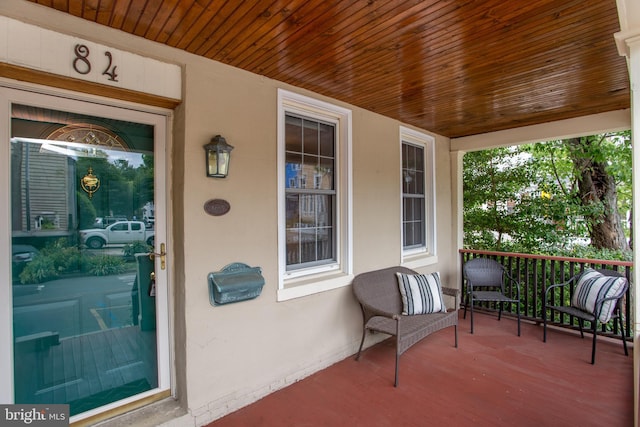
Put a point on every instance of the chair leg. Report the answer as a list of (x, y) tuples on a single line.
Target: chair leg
[(471, 311), (499, 310), (544, 322), (466, 302), (364, 331), (455, 331), (593, 347), (624, 340), (580, 325), (395, 384), (518, 311)]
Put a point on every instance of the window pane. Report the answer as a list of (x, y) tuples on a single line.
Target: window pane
[(327, 140), (310, 137), (408, 181), (324, 213), (408, 234), (419, 183), (418, 158), (325, 173), (310, 234), (309, 168), (419, 211), (413, 188), (408, 209), (325, 243), (293, 170), (293, 246), (293, 134), (293, 211)]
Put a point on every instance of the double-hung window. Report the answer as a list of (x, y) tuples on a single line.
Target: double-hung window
[(310, 193), (314, 195), (418, 207)]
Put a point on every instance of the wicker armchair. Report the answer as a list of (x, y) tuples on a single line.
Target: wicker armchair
[(486, 283), (591, 316), (381, 304)]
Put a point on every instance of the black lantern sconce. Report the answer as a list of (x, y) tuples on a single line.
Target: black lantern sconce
[(218, 156)]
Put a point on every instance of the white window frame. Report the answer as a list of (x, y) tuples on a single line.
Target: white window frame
[(424, 255), (308, 281)]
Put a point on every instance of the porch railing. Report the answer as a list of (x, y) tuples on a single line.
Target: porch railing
[(536, 272)]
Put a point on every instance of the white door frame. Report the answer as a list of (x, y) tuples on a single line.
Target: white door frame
[(17, 92)]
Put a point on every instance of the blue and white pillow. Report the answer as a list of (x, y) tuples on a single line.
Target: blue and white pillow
[(593, 286), (421, 293)]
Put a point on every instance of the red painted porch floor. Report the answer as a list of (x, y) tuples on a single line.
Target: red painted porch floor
[(493, 378)]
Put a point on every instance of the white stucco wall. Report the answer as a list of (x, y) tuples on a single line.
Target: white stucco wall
[(266, 344)]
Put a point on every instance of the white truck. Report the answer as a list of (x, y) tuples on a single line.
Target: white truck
[(119, 233)]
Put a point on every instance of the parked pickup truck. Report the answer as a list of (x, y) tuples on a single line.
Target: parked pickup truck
[(119, 233)]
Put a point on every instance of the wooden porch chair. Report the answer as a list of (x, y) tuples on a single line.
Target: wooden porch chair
[(596, 298)]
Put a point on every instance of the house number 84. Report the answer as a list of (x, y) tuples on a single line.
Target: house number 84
[(82, 65)]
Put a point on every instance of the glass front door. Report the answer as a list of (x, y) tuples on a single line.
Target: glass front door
[(83, 222)]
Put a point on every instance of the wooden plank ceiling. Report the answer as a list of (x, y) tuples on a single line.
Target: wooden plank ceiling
[(455, 67)]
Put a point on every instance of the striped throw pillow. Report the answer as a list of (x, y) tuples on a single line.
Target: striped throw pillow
[(421, 293), (593, 286)]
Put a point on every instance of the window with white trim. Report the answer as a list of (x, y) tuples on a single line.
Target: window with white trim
[(310, 209), (418, 184), (314, 195)]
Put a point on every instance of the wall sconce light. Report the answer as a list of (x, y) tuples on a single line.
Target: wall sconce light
[(218, 156)]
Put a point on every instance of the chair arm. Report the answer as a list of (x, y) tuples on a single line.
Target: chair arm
[(559, 285), (513, 280), (371, 311), (454, 293)]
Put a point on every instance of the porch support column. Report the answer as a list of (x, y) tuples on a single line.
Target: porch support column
[(634, 73), (628, 42), (457, 207)]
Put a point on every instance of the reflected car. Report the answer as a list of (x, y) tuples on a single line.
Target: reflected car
[(20, 256)]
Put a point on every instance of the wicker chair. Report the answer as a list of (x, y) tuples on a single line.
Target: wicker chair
[(582, 315), (381, 304), (486, 283)]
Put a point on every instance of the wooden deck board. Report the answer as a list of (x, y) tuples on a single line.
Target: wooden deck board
[(494, 378), (90, 365)]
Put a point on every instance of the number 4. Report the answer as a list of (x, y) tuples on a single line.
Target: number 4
[(110, 70)]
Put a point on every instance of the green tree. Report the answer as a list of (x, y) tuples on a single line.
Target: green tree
[(546, 197), (596, 189), (124, 188), (86, 210)]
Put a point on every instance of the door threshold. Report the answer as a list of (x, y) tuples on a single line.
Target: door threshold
[(147, 411)]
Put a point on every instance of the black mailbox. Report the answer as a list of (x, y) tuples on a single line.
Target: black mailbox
[(235, 282)]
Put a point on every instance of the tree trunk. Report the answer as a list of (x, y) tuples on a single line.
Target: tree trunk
[(597, 187)]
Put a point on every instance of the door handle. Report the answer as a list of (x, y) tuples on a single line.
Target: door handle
[(162, 255)]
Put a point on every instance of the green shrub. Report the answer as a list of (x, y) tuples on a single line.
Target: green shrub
[(39, 270), (137, 247), (105, 265), (65, 258)]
